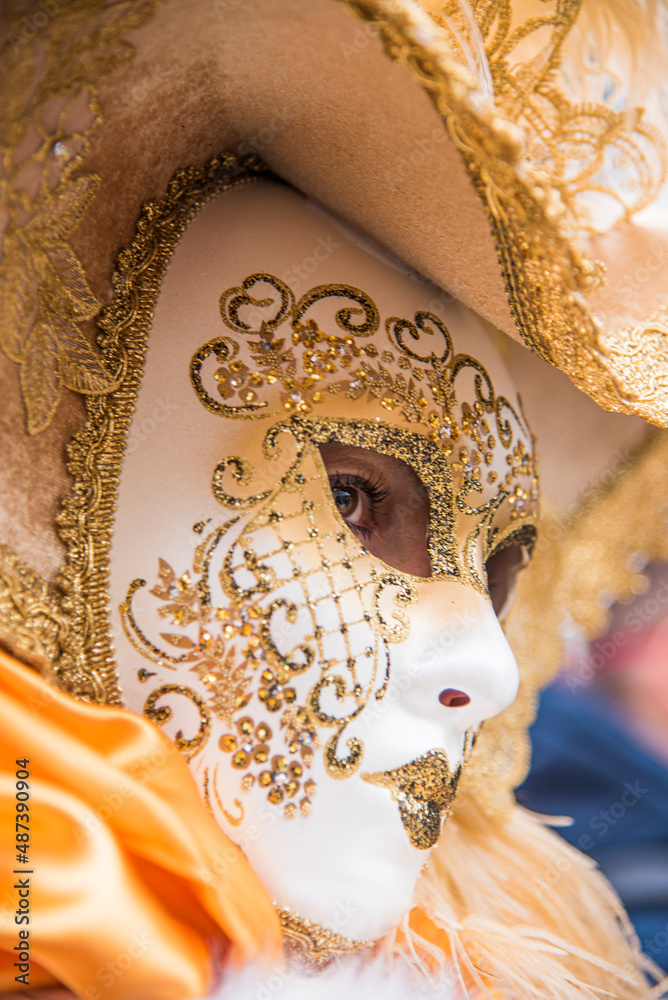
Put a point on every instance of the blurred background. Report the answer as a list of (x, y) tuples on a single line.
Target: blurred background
[(598, 591)]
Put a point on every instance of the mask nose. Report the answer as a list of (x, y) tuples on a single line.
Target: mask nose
[(453, 698), (462, 667)]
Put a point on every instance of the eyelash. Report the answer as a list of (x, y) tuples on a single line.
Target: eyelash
[(373, 488)]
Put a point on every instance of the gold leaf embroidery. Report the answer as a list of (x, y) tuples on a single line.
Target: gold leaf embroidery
[(16, 280), (40, 376), (81, 369), (47, 120)]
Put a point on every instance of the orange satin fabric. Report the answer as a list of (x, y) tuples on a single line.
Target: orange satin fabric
[(134, 884)]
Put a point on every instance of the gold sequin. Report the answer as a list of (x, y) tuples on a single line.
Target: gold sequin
[(225, 652)]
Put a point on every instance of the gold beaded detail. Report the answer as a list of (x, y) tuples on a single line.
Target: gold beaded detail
[(312, 946)]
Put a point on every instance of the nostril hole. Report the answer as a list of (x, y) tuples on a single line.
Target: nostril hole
[(452, 698)]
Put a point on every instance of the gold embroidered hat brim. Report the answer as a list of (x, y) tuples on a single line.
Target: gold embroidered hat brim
[(391, 117), (367, 106)]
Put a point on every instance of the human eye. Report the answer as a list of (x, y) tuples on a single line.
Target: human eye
[(383, 502), (359, 500), (502, 568)]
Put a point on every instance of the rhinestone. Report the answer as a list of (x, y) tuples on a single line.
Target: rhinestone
[(275, 795), (228, 743)]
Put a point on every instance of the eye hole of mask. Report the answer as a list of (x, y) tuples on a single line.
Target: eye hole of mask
[(384, 504), (502, 568)]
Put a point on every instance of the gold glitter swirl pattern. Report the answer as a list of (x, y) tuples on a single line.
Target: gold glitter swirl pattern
[(241, 656), (304, 591), (225, 654), (162, 714), (313, 946), (49, 111), (273, 375)]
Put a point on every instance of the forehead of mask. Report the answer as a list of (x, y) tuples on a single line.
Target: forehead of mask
[(232, 573)]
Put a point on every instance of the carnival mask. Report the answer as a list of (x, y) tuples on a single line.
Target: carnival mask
[(302, 398)]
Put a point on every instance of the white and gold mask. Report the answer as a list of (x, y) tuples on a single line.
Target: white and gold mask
[(305, 678)]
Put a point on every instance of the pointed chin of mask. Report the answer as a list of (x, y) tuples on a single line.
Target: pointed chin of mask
[(299, 673)]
